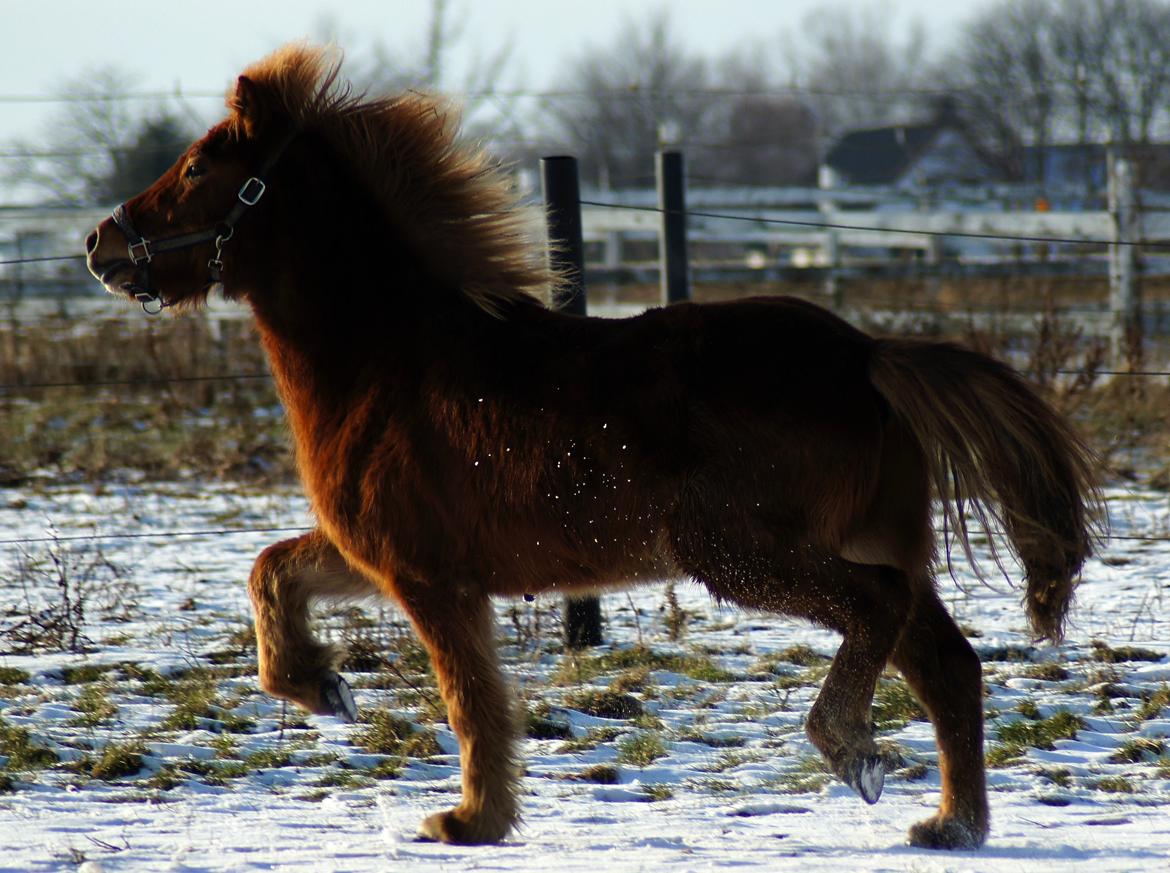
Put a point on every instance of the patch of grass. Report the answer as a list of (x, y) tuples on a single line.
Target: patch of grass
[(13, 676), (912, 773), (658, 792), (809, 676), (22, 753), (1114, 785), (593, 738), (85, 673), (269, 759), (313, 796), (1004, 755), (344, 779), (731, 760), (1153, 705), (605, 703), (636, 679), (389, 734), (1028, 709), (1107, 654), (895, 706), (94, 705), (601, 774), (809, 776), (1137, 749), (1049, 671), (540, 725), (151, 682), (577, 668), (7, 784), (802, 656), (195, 704), (391, 768), (118, 760), (1006, 653), (694, 735), (641, 749), (1042, 733), (1061, 776), (165, 778)]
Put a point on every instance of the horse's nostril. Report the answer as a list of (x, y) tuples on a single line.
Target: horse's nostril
[(91, 242)]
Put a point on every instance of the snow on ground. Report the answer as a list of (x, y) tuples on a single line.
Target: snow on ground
[(706, 767)]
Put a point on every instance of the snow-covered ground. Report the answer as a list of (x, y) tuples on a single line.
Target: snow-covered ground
[(714, 773)]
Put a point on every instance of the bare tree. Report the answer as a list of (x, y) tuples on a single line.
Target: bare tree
[(1032, 72), (757, 133), (1004, 76), (98, 149), (858, 73), (624, 101)]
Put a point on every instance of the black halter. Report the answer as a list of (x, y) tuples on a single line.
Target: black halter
[(143, 250)]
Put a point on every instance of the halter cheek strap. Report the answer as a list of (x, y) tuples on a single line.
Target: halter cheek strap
[(142, 250)]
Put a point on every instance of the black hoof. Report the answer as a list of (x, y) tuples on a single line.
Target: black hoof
[(866, 776), (337, 696)]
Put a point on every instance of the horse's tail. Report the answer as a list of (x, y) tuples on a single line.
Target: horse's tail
[(994, 447)]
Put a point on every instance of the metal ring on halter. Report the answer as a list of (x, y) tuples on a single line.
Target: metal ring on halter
[(161, 305)]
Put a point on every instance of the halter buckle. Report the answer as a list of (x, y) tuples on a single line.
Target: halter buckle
[(251, 191), (140, 252)]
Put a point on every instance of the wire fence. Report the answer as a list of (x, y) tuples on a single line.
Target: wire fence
[(755, 218), (759, 218)]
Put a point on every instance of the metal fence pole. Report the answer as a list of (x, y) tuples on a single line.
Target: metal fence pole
[(670, 171), (562, 200)]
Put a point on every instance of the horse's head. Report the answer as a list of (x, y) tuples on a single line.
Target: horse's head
[(174, 242)]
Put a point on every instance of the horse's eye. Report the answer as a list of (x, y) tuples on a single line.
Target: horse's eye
[(194, 170)]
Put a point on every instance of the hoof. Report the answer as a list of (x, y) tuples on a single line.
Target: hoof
[(867, 776), (338, 699), (947, 833), (449, 827)]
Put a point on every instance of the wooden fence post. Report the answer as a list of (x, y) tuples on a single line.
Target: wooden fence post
[(670, 171), (562, 200), (1124, 303)]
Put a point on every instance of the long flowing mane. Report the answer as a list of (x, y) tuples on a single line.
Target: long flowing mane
[(450, 200)]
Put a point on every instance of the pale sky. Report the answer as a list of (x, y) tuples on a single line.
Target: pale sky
[(202, 44)]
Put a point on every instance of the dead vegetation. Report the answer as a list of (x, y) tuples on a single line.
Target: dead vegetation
[(174, 398)]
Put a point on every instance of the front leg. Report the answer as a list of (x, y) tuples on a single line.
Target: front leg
[(457, 628), (293, 664)]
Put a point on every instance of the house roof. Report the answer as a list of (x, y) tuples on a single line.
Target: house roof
[(880, 155)]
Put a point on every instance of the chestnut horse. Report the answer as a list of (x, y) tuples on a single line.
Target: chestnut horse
[(459, 439)]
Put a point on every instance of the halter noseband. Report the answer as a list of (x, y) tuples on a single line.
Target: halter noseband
[(143, 250)]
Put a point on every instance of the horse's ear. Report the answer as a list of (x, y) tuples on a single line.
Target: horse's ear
[(249, 105)]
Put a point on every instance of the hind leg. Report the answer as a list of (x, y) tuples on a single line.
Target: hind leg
[(457, 627), (293, 664), (868, 606), (944, 672)]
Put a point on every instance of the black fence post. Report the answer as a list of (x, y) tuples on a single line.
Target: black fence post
[(562, 200), (670, 172)]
